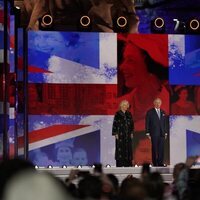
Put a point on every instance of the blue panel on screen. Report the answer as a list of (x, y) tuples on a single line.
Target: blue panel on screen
[(11, 129), (20, 41), (82, 48), (12, 46), (1, 123), (184, 59), (193, 143), (1, 39), (192, 53), (1, 4), (39, 64), (192, 43), (81, 150), (20, 54), (12, 25)]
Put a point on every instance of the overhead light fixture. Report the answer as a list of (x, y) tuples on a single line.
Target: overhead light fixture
[(122, 21), (85, 21), (121, 24), (84, 24), (158, 25), (159, 22), (47, 20), (194, 24)]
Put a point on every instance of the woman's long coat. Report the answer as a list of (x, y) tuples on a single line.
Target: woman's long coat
[(123, 126)]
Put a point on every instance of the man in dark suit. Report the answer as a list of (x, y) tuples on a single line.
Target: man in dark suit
[(156, 130)]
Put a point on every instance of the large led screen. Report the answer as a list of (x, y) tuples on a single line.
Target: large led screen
[(76, 82)]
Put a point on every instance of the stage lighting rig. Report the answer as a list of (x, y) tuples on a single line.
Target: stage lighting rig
[(46, 22), (85, 23), (158, 25), (121, 24), (193, 26)]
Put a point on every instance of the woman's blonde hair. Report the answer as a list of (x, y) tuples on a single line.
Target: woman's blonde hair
[(122, 103)]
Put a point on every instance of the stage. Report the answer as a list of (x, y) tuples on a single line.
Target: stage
[(120, 172)]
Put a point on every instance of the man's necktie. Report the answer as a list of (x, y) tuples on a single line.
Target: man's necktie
[(158, 111)]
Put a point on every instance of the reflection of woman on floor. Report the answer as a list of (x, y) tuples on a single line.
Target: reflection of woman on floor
[(183, 106)]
